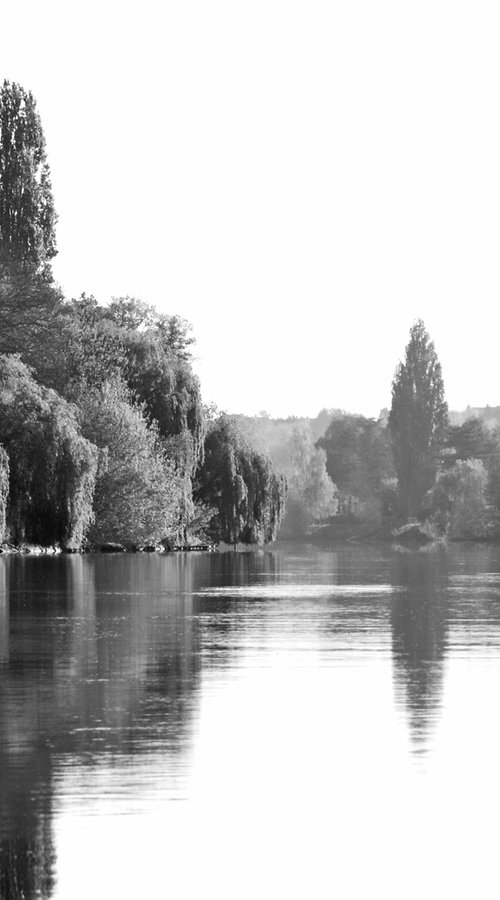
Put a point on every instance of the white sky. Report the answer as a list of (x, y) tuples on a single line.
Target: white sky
[(300, 180)]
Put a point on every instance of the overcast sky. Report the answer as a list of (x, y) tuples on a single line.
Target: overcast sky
[(301, 180)]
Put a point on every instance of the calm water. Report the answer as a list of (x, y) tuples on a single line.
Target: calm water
[(284, 723)]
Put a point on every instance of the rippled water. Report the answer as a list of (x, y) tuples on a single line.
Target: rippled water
[(277, 723)]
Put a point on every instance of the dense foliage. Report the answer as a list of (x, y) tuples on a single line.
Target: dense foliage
[(148, 351), (459, 501), (311, 495), (102, 423), (241, 485), (137, 492), (52, 467), (358, 460), (418, 420), (471, 440), (29, 306), (103, 435)]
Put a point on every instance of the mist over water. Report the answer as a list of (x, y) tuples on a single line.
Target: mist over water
[(280, 722)]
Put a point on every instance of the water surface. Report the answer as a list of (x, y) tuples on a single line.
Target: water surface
[(285, 723)]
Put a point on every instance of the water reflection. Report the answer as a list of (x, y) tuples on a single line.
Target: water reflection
[(419, 625), (285, 665), (27, 854), (98, 661)]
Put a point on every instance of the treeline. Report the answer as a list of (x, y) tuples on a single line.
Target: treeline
[(413, 463), (103, 433), (446, 475)]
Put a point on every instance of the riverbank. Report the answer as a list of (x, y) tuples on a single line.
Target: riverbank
[(109, 547)]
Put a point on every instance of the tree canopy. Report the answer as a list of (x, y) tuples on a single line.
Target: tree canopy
[(471, 440), (137, 492), (29, 307), (311, 491), (358, 458)]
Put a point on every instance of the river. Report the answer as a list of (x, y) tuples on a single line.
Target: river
[(278, 723)]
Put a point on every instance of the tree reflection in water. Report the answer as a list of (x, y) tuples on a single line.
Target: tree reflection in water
[(419, 623), (27, 850), (87, 644)]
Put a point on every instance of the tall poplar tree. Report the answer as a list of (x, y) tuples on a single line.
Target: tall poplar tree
[(418, 419), (28, 297), (27, 215)]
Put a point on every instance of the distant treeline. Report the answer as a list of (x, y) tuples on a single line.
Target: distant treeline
[(416, 461), (103, 433)]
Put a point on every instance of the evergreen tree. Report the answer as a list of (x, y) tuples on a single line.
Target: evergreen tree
[(418, 420)]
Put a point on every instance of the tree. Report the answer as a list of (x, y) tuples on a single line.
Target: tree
[(460, 501), (137, 492), (28, 298), (358, 459), (311, 491), (52, 467), (130, 341), (170, 390), (471, 440), (27, 215), (418, 420), (241, 485), (86, 349), (29, 307)]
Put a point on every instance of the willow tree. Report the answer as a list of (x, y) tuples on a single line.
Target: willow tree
[(52, 468), (241, 485), (418, 420)]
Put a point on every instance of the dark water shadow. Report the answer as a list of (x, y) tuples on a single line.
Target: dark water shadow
[(419, 620), (98, 660)]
